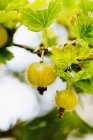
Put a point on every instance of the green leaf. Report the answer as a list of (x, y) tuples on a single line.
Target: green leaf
[(9, 19), (69, 4), (85, 85), (37, 4), (86, 6), (82, 28), (12, 4), (66, 56), (5, 55), (54, 10), (69, 9), (65, 75), (63, 58), (36, 20), (85, 73), (32, 18), (4, 3), (70, 54), (9, 15)]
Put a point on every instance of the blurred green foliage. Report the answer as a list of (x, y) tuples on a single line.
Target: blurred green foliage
[(69, 8), (50, 127)]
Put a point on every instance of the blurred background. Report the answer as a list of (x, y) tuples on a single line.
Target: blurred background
[(24, 113)]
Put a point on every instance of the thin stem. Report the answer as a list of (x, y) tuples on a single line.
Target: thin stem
[(42, 57), (45, 38), (68, 86)]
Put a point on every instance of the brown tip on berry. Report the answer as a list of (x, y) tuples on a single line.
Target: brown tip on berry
[(61, 112), (41, 90)]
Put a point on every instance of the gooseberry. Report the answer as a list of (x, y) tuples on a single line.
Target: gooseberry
[(3, 36), (41, 74), (66, 100)]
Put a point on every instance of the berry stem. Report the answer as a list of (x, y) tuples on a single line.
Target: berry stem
[(45, 38), (68, 86), (42, 56)]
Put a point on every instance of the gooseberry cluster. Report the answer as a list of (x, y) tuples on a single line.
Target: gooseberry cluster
[(42, 74)]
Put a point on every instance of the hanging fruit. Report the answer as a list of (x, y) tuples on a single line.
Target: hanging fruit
[(41, 74), (66, 100)]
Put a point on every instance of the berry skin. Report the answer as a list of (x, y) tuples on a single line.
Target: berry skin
[(66, 99), (3, 36), (41, 74)]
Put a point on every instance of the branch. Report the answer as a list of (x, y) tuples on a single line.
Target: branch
[(24, 47)]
